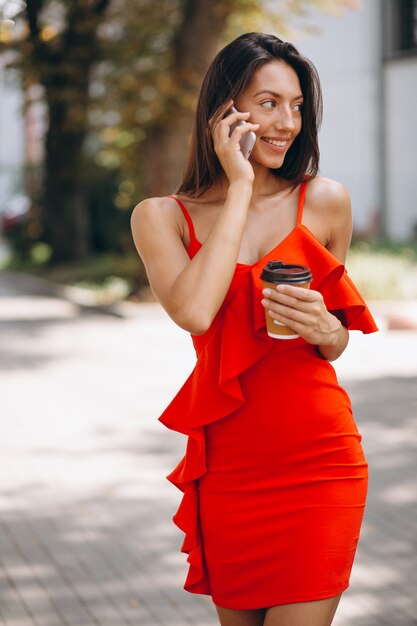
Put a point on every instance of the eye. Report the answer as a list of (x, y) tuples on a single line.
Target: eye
[(268, 102), (298, 106)]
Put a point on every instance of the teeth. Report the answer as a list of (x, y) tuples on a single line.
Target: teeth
[(274, 142)]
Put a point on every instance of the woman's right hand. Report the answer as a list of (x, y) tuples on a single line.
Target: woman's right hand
[(227, 148)]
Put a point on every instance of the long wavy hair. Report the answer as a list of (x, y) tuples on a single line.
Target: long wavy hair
[(228, 75)]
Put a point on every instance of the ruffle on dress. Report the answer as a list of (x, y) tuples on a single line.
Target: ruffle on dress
[(330, 277), (235, 341)]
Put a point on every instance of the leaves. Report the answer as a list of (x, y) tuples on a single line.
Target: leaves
[(116, 74)]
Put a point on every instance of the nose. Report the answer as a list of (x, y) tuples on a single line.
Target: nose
[(285, 118)]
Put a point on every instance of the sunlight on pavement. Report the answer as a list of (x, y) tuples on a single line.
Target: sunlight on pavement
[(86, 509)]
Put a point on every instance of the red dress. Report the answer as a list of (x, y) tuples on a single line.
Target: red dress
[(274, 476)]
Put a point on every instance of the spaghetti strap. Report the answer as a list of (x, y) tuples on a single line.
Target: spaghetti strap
[(187, 217), (301, 202)]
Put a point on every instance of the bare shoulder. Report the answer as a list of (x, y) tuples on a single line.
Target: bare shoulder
[(154, 211), (329, 202), (159, 216), (329, 196)]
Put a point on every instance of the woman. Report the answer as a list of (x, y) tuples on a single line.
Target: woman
[(274, 477)]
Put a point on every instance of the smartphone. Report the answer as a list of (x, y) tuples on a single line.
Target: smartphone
[(248, 140)]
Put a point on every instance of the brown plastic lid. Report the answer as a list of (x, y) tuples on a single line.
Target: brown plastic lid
[(280, 272)]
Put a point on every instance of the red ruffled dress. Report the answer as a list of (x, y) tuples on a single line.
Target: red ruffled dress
[(274, 476)]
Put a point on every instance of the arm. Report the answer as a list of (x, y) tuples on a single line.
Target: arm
[(304, 309), (192, 291)]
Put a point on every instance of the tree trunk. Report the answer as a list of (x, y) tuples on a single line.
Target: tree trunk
[(165, 151), (196, 42), (65, 213), (63, 67)]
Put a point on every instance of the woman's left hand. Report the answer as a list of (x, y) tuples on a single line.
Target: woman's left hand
[(304, 311)]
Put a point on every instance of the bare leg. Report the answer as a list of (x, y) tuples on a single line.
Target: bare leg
[(233, 617), (317, 613)]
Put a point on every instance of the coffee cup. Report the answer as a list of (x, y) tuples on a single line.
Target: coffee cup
[(279, 273)]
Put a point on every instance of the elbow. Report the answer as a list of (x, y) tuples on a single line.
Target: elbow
[(198, 330), (192, 321), (196, 326), (193, 316)]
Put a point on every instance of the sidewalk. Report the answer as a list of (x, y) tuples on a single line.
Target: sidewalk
[(86, 536)]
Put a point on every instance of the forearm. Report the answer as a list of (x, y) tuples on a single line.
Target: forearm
[(337, 341), (200, 289)]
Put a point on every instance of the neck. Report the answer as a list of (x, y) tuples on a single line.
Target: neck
[(264, 184)]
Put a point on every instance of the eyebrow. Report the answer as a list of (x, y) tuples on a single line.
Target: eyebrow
[(277, 95)]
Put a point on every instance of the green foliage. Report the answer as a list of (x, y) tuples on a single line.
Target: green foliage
[(109, 203), (384, 271), (139, 89), (111, 70)]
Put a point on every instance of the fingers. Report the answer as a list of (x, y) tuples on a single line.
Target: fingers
[(221, 122), (290, 310), (291, 317), (287, 312), (223, 111), (299, 298), (223, 126), (296, 306), (219, 114), (300, 293)]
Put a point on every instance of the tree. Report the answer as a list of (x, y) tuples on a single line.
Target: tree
[(62, 63), (124, 75), (157, 83)]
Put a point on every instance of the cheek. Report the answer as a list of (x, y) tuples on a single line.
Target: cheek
[(264, 124), (242, 105)]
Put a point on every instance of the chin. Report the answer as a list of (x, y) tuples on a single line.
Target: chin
[(272, 164), (269, 160)]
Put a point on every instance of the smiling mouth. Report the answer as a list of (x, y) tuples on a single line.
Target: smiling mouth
[(275, 142)]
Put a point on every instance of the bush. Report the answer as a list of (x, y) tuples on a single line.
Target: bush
[(383, 272)]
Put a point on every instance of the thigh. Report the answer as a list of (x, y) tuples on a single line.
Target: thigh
[(317, 613), (234, 617)]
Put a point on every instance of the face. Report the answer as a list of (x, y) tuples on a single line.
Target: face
[(274, 99)]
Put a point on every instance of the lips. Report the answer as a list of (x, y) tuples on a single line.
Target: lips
[(275, 141)]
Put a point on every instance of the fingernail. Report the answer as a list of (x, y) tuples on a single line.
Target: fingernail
[(266, 292)]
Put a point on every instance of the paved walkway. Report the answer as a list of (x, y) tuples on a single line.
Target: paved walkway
[(86, 536)]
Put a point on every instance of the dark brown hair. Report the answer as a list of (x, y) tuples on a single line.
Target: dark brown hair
[(228, 75)]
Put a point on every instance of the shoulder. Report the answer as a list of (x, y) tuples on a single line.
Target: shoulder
[(329, 200), (329, 196), (158, 214), (151, 210)]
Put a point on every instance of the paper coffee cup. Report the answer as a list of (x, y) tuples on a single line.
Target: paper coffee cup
[(279, 273)]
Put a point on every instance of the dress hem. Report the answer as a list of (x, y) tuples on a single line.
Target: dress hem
[(278, 602)]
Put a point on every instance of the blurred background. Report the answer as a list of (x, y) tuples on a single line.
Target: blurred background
[(96, 108)]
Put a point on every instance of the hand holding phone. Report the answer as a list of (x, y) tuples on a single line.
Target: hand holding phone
[(248, 139)]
